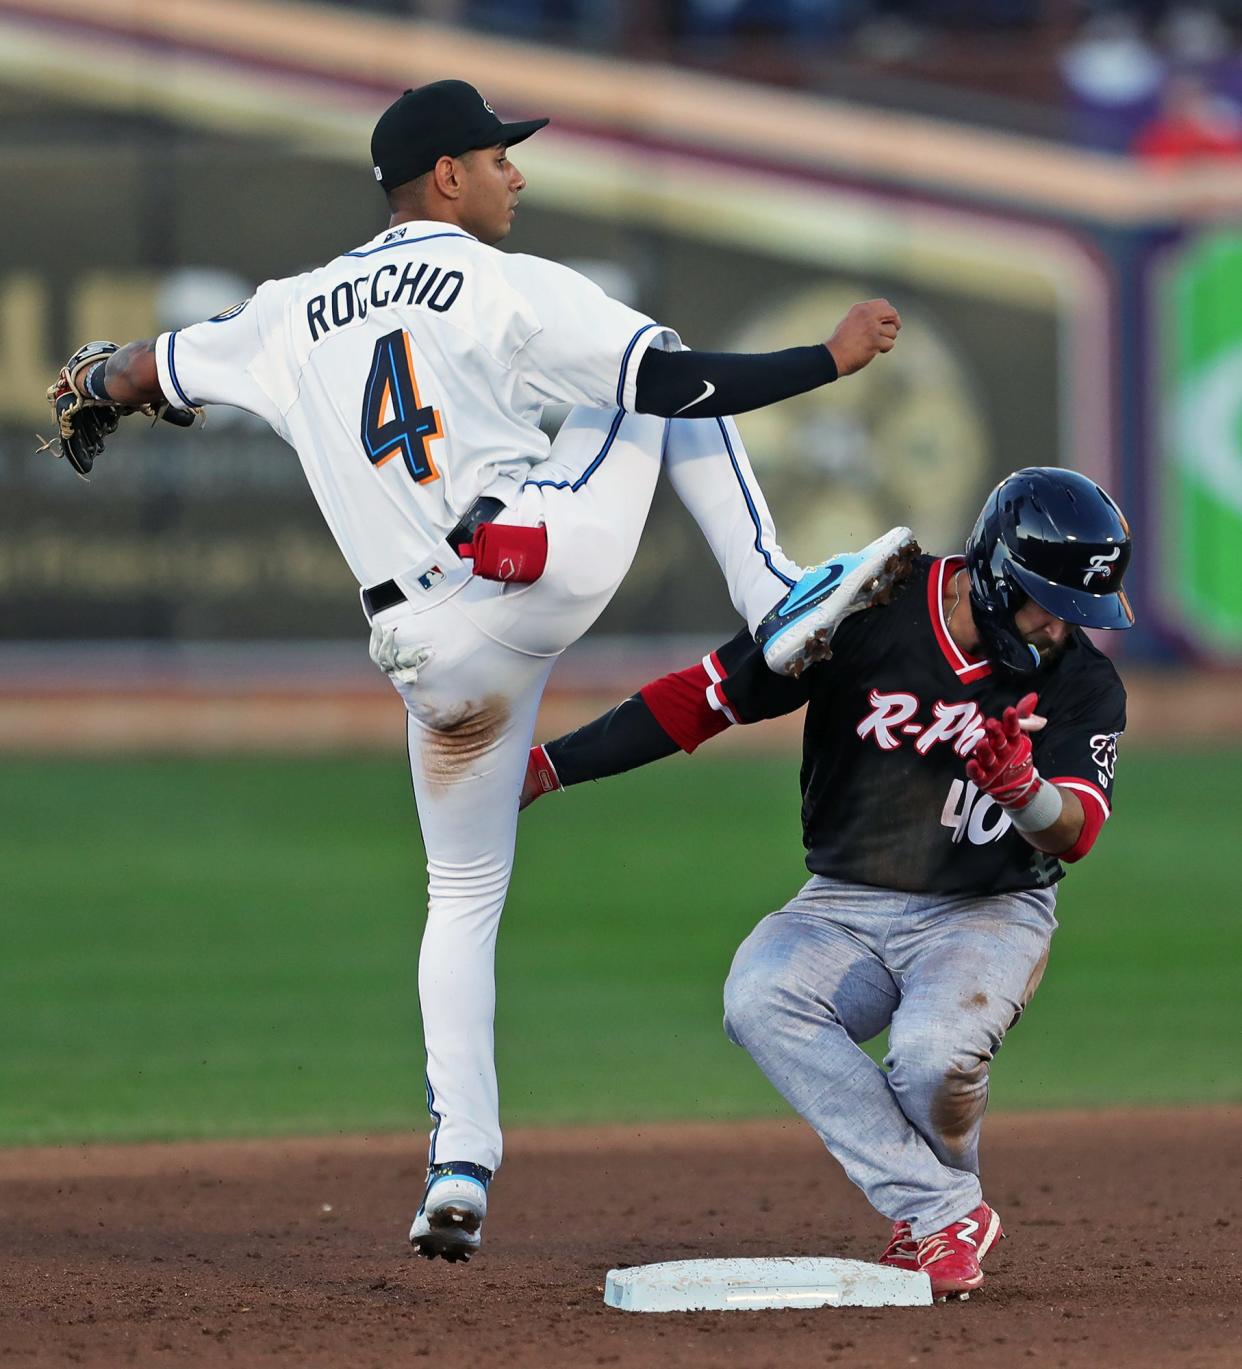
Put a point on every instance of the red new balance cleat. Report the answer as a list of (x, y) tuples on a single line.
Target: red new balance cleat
[(902, 1252), (950, 1258)]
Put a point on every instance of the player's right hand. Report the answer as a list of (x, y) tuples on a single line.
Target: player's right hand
[(867, 330)]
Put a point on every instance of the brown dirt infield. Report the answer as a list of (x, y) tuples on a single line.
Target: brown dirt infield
[(1124, 1243)]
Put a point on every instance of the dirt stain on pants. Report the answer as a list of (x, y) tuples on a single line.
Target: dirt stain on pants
[(453, 742), (959, 1103)]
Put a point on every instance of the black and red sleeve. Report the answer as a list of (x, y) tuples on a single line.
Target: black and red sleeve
[(677, 712)]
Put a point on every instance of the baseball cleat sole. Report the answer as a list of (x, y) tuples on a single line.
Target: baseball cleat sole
[(448, 1226), (449, 1233), (871, 588)]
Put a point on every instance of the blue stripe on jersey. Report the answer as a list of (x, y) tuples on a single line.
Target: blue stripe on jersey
[(574, 485), (750, 505), (172, 370), (625, 361), (407, 242)]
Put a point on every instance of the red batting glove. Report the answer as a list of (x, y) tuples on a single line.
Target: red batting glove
[(508, 551), (541, 778), (1001, 764)]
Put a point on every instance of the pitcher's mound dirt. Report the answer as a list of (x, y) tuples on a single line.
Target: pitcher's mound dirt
[(1125, 1240)]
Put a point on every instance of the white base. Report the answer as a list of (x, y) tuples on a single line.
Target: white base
[(747, 1285)]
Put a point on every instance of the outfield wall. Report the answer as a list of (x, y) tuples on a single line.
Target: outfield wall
[(1061, 306)]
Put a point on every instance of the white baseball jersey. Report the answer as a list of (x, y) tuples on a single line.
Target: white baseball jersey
[(410, 376)]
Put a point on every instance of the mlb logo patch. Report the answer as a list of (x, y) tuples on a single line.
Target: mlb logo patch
[(431, 577)]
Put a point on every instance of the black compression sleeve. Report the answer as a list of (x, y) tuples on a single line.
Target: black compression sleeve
[(622, 739), (715, 384)]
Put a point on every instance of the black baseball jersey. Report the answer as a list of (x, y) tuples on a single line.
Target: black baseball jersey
[(890, 720)]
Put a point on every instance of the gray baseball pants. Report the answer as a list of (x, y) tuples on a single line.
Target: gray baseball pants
[(947, 975)]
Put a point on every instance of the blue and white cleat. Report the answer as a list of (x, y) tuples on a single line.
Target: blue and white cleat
[(798, 631), (450, 1222)]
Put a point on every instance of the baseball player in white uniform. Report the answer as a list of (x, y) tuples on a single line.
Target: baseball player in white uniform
[(410, 375)]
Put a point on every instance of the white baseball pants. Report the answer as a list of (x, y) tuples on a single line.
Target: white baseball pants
[(471, 712)]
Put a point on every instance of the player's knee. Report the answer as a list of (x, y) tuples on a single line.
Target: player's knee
[(942, 1088), (927, 1050), (763, 985), (750, 994), (743, 1005), (931, 1062)]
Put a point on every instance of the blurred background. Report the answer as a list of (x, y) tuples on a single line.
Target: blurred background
[(205, 779)]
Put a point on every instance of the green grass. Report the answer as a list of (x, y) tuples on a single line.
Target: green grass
[(229, 947)]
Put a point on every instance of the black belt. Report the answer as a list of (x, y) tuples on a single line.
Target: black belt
[(483, 510)]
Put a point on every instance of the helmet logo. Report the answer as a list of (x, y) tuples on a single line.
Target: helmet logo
[(1100, 565)]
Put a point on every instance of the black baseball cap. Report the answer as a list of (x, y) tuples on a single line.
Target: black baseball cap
[(443, 119)]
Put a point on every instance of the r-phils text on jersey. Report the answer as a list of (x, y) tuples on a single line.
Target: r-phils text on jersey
[(411, 284)]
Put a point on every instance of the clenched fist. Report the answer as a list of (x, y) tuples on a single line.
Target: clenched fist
[(868, 329)]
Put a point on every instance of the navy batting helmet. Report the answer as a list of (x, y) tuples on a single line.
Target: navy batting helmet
[(1057, 538)]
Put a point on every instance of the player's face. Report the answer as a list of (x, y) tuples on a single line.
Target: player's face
[(491, 186), (1045, 632)]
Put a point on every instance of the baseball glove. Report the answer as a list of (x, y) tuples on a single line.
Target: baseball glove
[(84, 421)]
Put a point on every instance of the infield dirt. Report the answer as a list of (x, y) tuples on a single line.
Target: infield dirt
[(1125, 1232)]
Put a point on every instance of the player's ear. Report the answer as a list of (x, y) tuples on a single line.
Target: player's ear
[(448, 175)]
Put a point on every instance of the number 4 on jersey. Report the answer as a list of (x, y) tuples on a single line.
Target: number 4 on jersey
[(394, 419)]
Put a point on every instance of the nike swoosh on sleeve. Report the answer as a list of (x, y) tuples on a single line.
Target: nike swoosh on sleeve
[(708, 390)]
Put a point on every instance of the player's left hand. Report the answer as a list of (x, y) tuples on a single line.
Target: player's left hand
[(83, 421), (1002, 764)]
